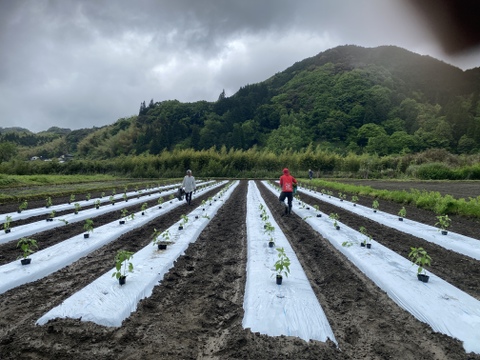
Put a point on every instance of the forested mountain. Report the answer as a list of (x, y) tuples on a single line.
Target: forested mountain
[(383, 100)]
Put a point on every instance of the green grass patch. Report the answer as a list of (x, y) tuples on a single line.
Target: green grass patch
[(429, 200)]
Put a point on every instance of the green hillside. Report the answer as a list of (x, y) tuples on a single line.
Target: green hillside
[(348, 99)]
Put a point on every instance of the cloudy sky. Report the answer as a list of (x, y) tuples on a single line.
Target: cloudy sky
[(85, 63)]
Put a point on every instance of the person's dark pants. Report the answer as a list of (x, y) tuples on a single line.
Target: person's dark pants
[(289, 196), (188, 197)]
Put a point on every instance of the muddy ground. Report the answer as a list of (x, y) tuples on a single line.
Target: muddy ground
[(196, 311)]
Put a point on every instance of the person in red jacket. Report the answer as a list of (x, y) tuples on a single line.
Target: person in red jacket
[(287, 183)]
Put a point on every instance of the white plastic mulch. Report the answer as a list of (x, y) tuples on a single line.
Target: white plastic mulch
[(18, 232), (444, 307), (55, 257), (453, 241), (107, 303), (290, 309)]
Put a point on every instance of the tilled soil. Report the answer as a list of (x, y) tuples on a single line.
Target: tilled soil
[(196, 311)]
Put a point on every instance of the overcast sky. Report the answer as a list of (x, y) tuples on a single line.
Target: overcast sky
[(80, 64)]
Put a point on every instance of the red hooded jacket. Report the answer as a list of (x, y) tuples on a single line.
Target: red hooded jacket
[(287, 181)]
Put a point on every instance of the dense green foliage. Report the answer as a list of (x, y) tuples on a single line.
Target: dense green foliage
[(255, 163)]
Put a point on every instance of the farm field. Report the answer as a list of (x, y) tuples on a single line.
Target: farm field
[(196, 312), (458, 189)]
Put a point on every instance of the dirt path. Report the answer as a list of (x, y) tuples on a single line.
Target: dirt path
[(196, 311)]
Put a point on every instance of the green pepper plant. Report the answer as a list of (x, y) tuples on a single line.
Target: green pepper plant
[(122, 265), (282, 265), (443, 223)]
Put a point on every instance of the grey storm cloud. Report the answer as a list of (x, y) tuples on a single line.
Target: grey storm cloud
[(79, 64)]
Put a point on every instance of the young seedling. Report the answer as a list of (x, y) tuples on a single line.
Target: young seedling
[(402, 213), (335, 217), (88, 196), (282, 265), (160, 202), (102, 194), (51, 216), (368, 237), (161, 239), (97, 204), (122, 265), (144, 208), (48, 202), (317, 210), (443, 223), (354, 200), (375, 205), (27, 245), (123, 217), (72, 198), (125, 197), (23, 206), (77, 208), (114, 192), (6, 224), (88, 227), (171, 197), (112, 199), (419, 257), (184, 222)]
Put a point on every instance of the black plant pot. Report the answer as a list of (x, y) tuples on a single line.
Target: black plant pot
[(7, 231), (180, 228), (122, 279), (374, 211), (271, 244), (162, 246), (196, 216), (444, 232), (369, 246), (122, 222), (279, 279), (159, 207), (49, 219), (337, 227), (423, 278), (26, 261), (354, 204), (319, 215), (362, 244), (143, 213), (86, 236), (400, 219)]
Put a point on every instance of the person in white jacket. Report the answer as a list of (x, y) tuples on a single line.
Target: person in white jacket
[(188, 186)]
